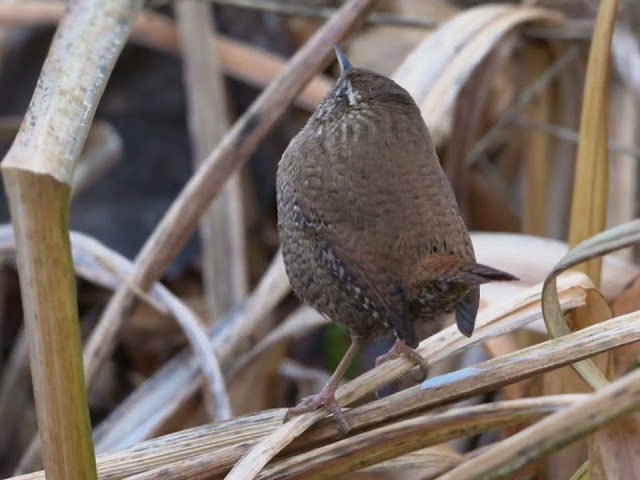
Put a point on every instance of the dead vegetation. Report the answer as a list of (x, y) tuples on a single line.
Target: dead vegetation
[(533, 106)]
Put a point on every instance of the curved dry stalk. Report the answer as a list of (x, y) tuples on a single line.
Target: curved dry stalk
[(151, 404), (38, 173), (90, 255), (606, 242), (99, 264)]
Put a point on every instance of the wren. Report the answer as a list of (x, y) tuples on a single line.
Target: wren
[(369, 227)]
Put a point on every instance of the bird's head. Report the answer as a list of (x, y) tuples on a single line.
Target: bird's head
[(359, 88)]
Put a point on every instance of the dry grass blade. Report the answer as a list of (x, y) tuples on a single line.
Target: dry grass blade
[(37, 173), (399, 438), (221, 231), (428, 461), (601, 244), (601, 408), (589, 203)]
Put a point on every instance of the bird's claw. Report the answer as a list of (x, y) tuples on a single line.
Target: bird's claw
[(401, 349), (314, 402)]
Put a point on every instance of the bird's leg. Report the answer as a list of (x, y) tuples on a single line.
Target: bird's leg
[(401, 349), (326, 397)]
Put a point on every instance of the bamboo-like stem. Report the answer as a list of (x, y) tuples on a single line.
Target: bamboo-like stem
[(537, 149), (222, 229), (589, 202), (587, 218), (37, 173)]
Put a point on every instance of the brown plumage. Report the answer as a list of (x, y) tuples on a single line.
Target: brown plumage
[(369, 226)]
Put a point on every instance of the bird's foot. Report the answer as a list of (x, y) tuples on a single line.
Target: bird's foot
[(401, 349), (325, 398)]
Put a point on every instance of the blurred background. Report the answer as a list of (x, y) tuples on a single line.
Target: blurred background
[(501, 93)]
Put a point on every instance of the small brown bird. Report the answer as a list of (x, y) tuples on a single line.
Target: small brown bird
[(369, 226)]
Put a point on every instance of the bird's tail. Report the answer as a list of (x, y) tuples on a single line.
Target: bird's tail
[(457, 270), (452, 268)]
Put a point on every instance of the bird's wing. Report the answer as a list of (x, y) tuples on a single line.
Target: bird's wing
[(349, 255)]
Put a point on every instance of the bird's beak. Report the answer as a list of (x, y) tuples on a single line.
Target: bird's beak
[(344, 62)]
